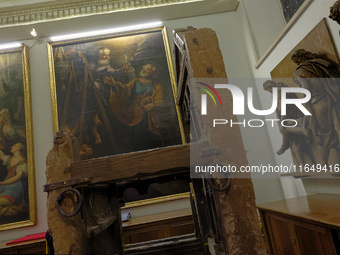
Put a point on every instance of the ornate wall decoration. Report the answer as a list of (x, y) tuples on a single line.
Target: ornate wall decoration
[(23, 16)]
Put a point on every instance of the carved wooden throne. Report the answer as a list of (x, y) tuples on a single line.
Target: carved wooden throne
[(223, 210)]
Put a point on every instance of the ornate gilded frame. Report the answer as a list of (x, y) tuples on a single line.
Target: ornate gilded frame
[(127, 46), (14, 64)]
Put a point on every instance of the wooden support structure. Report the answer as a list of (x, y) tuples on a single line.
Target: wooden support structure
[(224, 210), (235, 224), (138, 164), (65, 231), (97, 179)]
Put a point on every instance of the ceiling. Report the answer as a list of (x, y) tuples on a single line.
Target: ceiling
[(19, 12), (15, 3)]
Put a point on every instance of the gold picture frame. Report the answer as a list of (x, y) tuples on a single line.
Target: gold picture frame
[(156, 200), (100, 96), (17, 178)]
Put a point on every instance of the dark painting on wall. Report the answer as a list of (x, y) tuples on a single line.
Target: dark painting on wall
[(115, 93), (290, 7)]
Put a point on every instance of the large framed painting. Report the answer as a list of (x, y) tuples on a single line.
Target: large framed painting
[(17, 178), (115, 93)]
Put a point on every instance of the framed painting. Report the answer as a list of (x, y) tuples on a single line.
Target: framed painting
[(290, 7), (17, 179), (277, 19), (115, 93)]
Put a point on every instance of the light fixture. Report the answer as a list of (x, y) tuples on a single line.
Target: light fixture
[(34, 33), (105, 31), (10, 45), (35, 36)]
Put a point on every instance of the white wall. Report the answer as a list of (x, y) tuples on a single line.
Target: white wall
[(266, 20), (316, 11), (233, 45)]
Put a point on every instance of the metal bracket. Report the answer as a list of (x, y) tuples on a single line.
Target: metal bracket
[(67, 183)]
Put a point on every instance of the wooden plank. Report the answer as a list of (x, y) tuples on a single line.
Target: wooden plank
[(181, 79), (204, 54), (320, 208), (184, 244), (34, 247), (66, 183), (59, 159), (236, 214), (140, 163), (96, 230), (142, 220), (180, 56)]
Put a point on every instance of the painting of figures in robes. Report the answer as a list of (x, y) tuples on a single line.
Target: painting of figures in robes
[(17, 185), (115, 93)]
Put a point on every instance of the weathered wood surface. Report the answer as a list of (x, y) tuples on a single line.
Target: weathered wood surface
[(101, 213), (97, 229), (68, 233), (182, 98), (185, 245), (236, 209), (140, 163), (180, 54)]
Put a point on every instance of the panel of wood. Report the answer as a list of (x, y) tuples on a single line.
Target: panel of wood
[(144, 234), (281, 234), (323, 208), (157, 217), (27, 248), (184, 245), (141, 230), (237, 223), (139, 163), (304, 225), (38, 248), (314, 240), (181, 228), (336, 239)]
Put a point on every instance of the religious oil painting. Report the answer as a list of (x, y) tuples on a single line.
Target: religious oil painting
[(115, 93), (17, 185)]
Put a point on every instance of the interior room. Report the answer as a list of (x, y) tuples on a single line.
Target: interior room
[(254, 43)]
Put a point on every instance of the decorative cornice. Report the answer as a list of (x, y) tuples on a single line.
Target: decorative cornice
[(78, 9)]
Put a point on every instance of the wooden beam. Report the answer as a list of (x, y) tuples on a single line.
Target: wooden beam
[(96, 230), (118, 167), (236, 216), (172, 245)]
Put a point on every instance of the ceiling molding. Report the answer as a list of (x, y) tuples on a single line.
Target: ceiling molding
[(30, 14)]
